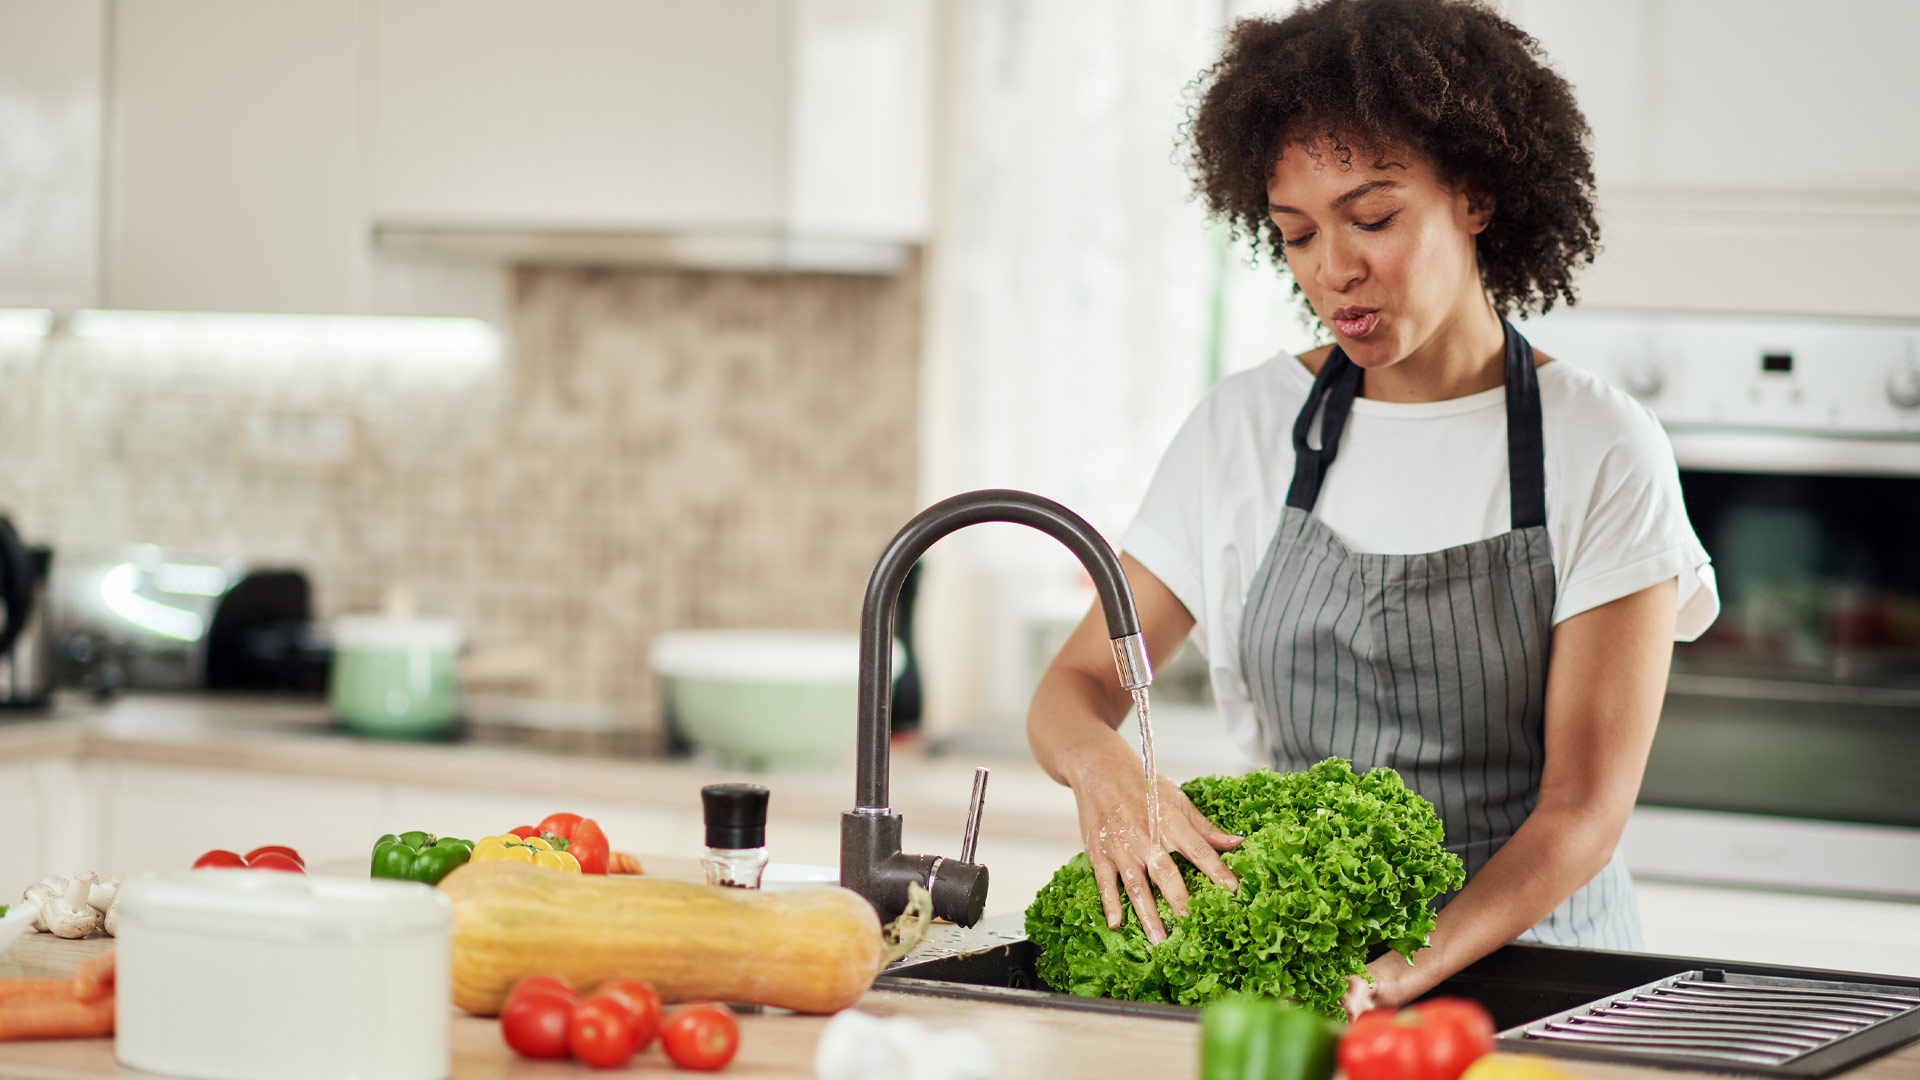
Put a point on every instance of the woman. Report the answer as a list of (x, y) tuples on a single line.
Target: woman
[(1424, 546)]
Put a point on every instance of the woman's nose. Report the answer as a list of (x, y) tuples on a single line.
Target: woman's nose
[(1340, 265)]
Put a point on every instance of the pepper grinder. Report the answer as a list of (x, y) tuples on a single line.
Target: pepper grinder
[(736, 817)]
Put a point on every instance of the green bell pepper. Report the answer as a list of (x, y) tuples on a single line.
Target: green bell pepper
[(1248, 1038), (418, 856)]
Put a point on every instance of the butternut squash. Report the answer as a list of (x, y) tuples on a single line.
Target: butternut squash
[(810, 950)]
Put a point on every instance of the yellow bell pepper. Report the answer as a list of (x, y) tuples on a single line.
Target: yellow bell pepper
[(1514, 1067), (531, 850)]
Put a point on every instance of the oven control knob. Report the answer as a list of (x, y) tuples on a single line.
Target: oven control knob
[(1903, 385), (1643, 380)]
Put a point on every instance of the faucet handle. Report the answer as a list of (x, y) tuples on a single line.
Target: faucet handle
[(971, 838)]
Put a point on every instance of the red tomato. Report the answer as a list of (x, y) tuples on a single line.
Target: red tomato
[(287, 851), (535, 983), (700, 1037), (560, 824), (589, 845), (1433, 1040), (524, 831), (273, 860), (535, 1018), (642, 1000), (218, 860), (603, 1032)]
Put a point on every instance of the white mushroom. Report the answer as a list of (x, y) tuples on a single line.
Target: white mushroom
[(39, 894), (69, 915), (103, 897), (101, 894)]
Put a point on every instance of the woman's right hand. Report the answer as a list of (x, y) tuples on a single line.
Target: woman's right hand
[(1111, 793)]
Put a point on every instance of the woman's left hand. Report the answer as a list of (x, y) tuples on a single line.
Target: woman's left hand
[(1364, 996)]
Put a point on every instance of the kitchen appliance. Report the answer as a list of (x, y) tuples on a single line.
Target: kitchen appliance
[(26, 652), (1790, 727), (175, 619), (225, 974)]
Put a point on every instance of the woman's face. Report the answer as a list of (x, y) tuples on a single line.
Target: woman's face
[(1382, 247)]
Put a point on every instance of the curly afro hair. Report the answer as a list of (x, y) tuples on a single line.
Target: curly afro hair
[(1448, 79)]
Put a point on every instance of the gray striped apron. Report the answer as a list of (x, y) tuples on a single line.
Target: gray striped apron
[(1434, 664)]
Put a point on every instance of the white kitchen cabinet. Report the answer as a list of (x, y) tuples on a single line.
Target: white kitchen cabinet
[(804, 120), (164, 817), (51, 60), (234, 165), (20, 858), (1747, 162)]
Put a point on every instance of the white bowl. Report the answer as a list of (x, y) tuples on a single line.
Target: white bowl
[(765, 698)]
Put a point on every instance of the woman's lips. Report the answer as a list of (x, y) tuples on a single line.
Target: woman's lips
[(1356, 325)]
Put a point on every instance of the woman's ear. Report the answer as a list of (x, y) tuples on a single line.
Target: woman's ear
[(1479, 209)]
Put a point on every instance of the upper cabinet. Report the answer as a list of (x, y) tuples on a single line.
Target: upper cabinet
[(234, 158), (51, 57), (1747, 162), (644, 126)]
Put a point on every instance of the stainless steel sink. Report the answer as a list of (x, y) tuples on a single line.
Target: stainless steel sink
[(1519, 985)]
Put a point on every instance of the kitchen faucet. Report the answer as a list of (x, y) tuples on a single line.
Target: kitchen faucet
[(871, 862)]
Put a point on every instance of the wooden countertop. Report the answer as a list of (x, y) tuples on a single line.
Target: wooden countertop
[(1030, 1043)]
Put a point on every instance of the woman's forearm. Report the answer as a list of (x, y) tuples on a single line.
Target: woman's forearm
[(1553, 853), (1068, 727)]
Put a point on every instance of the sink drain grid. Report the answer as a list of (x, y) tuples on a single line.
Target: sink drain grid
[(1761, 1023)]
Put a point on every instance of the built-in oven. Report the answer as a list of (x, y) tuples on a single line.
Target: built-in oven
[(1790, 739)]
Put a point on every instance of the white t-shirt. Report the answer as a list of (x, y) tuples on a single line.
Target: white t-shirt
[(1409, 479)]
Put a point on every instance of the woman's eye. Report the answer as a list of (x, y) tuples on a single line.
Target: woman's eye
[(1375, 226), (1297, 241)]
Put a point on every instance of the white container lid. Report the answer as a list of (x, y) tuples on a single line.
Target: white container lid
[(277, 906), (386, 632), (787, 656)]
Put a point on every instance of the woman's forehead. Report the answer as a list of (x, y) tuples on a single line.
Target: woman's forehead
[(1319, 163)]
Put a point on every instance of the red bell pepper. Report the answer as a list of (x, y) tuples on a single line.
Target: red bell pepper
[(585, 840), (1433, 1040)]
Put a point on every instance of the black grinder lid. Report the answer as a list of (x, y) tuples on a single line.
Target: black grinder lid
[(736, 815)]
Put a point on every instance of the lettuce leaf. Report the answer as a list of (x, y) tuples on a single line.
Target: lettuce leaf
[(1334, 865)]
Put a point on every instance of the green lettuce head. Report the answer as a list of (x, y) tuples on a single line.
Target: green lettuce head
[(1334, 865)]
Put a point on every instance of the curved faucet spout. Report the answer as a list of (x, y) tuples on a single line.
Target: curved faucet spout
[(912, 541)]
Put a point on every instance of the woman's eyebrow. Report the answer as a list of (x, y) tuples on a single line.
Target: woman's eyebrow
[(1364, 189)]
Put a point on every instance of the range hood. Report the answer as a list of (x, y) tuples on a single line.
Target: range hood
[(758, 135)]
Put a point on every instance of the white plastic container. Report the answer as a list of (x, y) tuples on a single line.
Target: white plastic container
[(260, 975)]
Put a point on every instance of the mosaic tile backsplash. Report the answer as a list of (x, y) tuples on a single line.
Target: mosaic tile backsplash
[(656, 450)]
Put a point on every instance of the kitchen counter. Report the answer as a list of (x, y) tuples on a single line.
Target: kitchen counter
[(1030, 1042), (297, 738)]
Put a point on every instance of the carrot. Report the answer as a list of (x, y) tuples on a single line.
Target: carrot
[(94, 980), (620, 862), (24, 989), (51, 1018)]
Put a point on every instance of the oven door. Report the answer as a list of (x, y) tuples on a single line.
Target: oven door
[(1802, 701)]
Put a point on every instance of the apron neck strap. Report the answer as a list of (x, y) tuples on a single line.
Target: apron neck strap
[(1338, 383)]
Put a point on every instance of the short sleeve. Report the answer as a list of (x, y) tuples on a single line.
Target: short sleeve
[(1167, 534), (1636, 533)]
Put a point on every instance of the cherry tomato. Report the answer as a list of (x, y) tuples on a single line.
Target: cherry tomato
[(603, 1032), (535, 1018), (273, 860), (218, 860), (588, 844), (700, 1037), (642, 1000), (535, 983), (560, 824), (287, 851)]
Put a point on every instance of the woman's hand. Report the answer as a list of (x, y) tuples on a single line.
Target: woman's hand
[(1111, 794), (1375, 989)]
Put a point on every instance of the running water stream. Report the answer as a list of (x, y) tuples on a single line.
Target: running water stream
[(1153, 774)]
